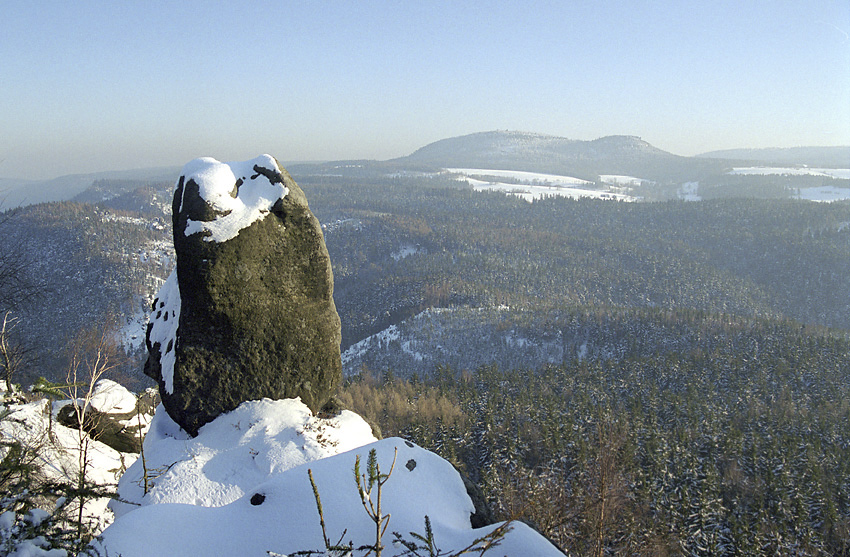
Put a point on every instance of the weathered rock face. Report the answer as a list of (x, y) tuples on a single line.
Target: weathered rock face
[(249, 312)]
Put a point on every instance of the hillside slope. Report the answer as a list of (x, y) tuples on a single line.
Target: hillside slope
[(20, 193)]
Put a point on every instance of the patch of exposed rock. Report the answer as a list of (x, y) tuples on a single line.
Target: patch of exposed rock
[(112, 415)]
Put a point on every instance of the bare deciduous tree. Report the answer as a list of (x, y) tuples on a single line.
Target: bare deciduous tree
[(13, 354), (93, 354)]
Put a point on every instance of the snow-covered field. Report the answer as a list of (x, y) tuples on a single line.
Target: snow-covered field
[(620, 180), (531, 178), (824, 194), (689, 191), (841, 173), (534, 185), (821, 193)]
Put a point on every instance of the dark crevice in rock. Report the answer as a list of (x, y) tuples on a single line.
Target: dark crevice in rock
[(274, 176), (483, 515)]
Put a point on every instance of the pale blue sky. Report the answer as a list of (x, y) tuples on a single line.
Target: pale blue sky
[(89, 86)]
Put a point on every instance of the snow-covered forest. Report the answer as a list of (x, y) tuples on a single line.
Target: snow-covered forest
[(626, 378)]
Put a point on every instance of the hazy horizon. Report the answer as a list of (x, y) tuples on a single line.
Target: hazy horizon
[(105, 86)]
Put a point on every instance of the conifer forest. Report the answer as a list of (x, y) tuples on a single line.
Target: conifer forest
[(655, 378)]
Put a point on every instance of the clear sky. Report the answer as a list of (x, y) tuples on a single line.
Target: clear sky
[(88, 86)]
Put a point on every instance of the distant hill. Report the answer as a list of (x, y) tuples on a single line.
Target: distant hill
[(88, 188), (511, 150), (20, 193), (826, 157)]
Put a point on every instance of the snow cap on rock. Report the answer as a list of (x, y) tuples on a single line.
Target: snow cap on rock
[(239, 194)]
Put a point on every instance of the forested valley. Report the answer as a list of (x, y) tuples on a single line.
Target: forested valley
[(740, 449), (403, 245), (664, 378), (630, 378)]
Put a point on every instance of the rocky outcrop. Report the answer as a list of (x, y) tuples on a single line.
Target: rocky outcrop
[(101, 427), (113, 415), (249, 311)]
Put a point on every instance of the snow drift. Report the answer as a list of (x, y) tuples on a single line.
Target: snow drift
[(241, 487)]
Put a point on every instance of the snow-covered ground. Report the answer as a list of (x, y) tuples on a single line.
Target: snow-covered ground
[(158, 252), (330, 227), (57, 451), (152, 224), (234, 453), (530, 192), (242, 487), (462, 338), (404, 251), (689, 191), (819, 193), (131, 334), (377, 341), (535, 185)]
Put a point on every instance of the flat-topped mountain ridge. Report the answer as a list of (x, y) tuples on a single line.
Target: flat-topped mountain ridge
[(514, 150)]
